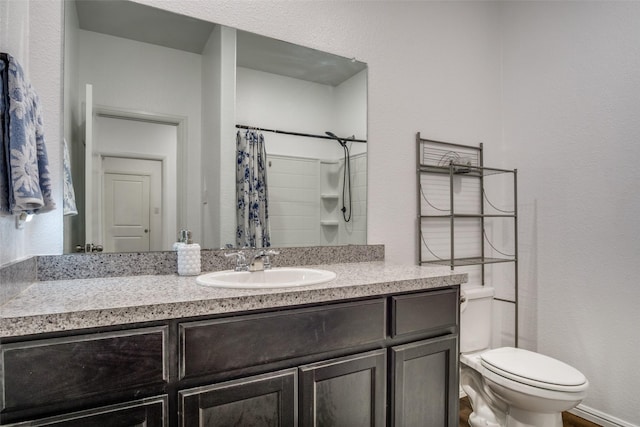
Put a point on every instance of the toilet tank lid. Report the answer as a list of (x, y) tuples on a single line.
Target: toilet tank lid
[(533, 368)]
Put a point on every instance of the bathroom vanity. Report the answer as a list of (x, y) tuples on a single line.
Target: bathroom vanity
[(377, 346)]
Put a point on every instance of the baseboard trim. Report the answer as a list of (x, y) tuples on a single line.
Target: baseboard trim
[(598, 417)]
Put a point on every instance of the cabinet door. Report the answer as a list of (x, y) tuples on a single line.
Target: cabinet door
[(150, 412), (344, 392), (425, 383), (264, 400)]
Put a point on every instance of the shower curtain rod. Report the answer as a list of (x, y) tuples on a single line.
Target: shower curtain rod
[(284, 132)]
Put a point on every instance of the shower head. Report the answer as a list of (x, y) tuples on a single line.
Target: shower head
[(333, 135), (346, 177)]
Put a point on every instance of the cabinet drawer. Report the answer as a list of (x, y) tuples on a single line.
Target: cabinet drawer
[(38, 373), (424, 312), (213, 346), (150, 412)]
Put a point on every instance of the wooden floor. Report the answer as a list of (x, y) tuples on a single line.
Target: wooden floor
[(568, 420)]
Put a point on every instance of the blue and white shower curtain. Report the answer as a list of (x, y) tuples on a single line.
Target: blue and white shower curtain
[(252, 209)]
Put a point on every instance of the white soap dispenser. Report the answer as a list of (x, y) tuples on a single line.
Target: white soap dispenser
[(188, 255)]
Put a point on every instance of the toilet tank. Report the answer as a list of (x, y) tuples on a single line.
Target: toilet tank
[(476, 318)]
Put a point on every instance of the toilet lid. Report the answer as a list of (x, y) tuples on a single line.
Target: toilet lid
[(533, 369)]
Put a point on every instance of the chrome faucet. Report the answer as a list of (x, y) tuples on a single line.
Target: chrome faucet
[(256, 261), (260, 260)]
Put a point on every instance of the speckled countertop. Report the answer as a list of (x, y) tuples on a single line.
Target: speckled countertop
[(60, 305)]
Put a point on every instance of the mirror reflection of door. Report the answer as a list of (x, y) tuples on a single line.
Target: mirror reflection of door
[(126, 212), (132, 204), (128, 151)]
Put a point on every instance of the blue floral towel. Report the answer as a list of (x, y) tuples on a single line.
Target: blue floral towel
[(25, 182)]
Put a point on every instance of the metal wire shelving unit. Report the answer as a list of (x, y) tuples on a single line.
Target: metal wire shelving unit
[(454, 171)]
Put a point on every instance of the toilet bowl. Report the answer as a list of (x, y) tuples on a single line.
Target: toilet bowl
[(510, 386)]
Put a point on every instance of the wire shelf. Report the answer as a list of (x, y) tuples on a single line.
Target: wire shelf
[(442, 154), (456, 212), (461, 262)]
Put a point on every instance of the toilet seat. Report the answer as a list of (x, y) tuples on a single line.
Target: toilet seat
[(534, 369)]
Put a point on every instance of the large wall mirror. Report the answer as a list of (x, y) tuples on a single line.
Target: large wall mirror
[(156, 105)]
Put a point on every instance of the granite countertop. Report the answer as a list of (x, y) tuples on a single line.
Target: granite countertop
[(62, 305)]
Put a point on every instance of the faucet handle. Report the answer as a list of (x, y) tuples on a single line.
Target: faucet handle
[(267, 260), (241, 259)]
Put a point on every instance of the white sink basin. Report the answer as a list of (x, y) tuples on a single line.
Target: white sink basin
[(274, 278)]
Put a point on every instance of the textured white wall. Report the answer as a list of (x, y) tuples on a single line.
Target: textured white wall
[(571, 104)]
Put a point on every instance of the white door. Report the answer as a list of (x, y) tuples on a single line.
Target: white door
[(136, 167), (126, 212)]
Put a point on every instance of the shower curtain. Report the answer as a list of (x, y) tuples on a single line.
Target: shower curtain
[(252, 209)]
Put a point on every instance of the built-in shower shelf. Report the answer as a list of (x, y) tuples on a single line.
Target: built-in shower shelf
[(329, 196), (329, 223)]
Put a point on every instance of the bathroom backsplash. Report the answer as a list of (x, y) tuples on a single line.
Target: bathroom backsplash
[(85, 266)]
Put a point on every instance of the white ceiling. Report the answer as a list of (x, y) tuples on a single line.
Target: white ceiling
[(156, 26)]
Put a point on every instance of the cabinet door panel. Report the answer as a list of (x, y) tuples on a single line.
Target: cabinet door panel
[(38, 373), (150, 412), (268, 400), (425, 387), (347, 392)]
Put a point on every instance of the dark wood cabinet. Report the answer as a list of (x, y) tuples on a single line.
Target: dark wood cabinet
[(424, 391), (39, 373), (268, 400), (258, 339), (386, 360), (144, 413), (349, 391), (424, 312)]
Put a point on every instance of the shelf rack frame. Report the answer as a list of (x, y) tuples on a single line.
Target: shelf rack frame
[(452, 159)]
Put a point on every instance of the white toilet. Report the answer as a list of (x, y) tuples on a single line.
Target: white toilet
[(510, 386)]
